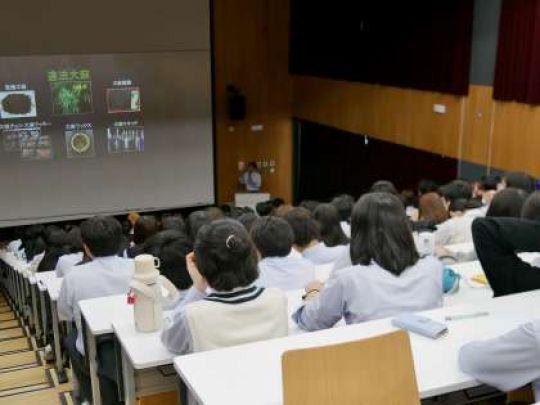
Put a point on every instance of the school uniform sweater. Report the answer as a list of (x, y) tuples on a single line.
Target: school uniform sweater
[(204, 322), (507, 362), (286, 273), (322, 254), (363, 293)]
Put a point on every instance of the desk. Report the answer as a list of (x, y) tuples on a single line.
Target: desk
[(98, 315), (142, 352), (255, 377)]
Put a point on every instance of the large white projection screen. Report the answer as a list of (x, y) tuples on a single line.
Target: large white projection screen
[(104, 134)]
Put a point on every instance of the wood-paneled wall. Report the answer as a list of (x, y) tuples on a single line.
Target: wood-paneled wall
[(251, 42)]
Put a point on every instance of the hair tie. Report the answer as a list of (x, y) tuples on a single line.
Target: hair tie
[(228, 241)]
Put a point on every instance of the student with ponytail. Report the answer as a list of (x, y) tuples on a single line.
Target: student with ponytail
[(224, 307)]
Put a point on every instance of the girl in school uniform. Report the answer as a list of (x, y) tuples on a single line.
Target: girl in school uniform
[(224, 307), (387, 276)]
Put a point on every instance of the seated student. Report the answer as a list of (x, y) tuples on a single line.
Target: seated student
[(55, 240), (458, 228), (507, 203), (387, 276), (173, 223), (274, 238), (519, 180), (344, 204), (195, 221), (327, 217), (33, 243), (531, 207), (248, 219), (75, 253), (497, 241), (145, 227), (309, 205), (236, 311), (307, 238), (171, 247), (508, 362), (106, 275), (487, 188), (431, 213), (427, 186), (384, 186)]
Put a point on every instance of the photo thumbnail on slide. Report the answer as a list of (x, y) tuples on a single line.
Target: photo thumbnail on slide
[(17, 104), (71, 91), (28, 140), (123, 100), (80, 141), (125, 139)]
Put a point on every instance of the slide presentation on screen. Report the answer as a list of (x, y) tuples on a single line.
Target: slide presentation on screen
[(84, 134)]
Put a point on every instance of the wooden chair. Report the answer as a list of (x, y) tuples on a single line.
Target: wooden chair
[(377, 370)]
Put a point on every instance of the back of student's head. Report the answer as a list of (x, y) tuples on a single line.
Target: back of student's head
[(427, 186), (55, 237), (225, 255), (33, 241), (171, 247), (195, 221), (264, 208), (344, 204), (248, 219), (519, 180), (74, 240), (145, 227), (489, 183), (102, 236), (327, 216), (458, 206), (507, 203), (309, 205), (383, 186), (431, 208), (531, 207), (305, 228), (272, 236), (173, 223), (381, 233), (456, 190)]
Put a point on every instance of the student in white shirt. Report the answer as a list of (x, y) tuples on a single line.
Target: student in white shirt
[(307, 238), (235, 311), (274, 238), (75, 256), (344, 204), (507, 362), (458, 229), (327, 216), (106, 275), (387, 276)]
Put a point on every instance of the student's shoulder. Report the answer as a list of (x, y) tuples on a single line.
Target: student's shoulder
[(275, 294)]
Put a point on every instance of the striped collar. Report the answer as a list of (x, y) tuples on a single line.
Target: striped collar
[(236, 297)]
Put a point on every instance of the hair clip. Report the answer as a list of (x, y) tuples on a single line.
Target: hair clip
[(228, 241)]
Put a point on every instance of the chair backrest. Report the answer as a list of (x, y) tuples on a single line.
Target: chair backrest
[(377, 370)]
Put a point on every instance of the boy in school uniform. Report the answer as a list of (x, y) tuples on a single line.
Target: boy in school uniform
[(274, 238), (105, 275), (307, 238)]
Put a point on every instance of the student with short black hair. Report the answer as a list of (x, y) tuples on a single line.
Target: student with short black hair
[(75, 254), (248, 219), (195, 221), (384, 186), (507, 203), (173, 223), (171, 247), (274, 238), (531, 207), (427, 186), (145, 227), (387, 276), (236, 311), (309, 205), (344, 204), (519, 180), (106, 275), (55, 240), (327, 216), (307, 238), (33, 243)]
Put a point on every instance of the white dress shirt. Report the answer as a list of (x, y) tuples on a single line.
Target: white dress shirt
[(322, 254), (102, 277), (66, 262), (507, 362), (287, 273), (363, 293), (455, 230)]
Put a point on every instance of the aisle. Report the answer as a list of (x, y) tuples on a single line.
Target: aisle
[(25, 378)]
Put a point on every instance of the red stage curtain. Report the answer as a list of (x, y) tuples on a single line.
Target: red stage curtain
[(517, 76)]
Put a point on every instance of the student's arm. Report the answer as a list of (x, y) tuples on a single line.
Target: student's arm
[(176, 335), (507, 362), (65, 301), (496, 241), (323, 311)]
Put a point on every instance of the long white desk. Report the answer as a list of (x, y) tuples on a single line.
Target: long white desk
[(251, 374)]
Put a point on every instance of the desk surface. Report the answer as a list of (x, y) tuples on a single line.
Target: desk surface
[(100, 313), (255, 377)]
